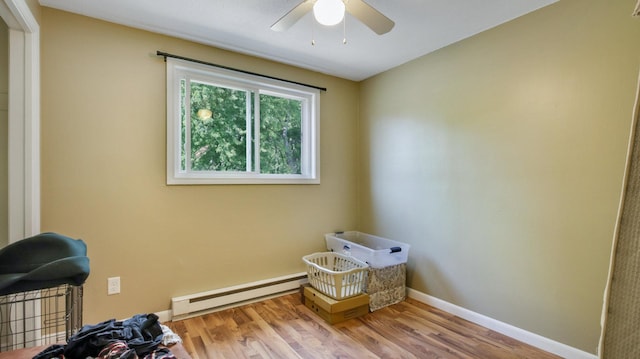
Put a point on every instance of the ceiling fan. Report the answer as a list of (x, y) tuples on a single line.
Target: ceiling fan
[(331, 12)]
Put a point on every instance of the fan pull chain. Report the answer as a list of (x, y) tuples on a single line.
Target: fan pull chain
[(344, 30)]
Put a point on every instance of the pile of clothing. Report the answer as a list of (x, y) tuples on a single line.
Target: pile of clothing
[(136, 338)]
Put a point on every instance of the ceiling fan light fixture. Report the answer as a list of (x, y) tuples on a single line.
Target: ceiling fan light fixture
[(329, 12)]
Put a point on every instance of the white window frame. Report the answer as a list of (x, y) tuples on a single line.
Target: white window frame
[(178, 70)]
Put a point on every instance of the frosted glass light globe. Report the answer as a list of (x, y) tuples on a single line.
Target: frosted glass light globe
[(328, 12)]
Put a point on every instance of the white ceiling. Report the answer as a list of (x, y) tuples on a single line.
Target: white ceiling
[(422, 26)]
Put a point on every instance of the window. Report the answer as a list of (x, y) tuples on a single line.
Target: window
[(229, 127)]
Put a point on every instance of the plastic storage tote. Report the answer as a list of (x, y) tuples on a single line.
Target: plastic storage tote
[(376, 251)]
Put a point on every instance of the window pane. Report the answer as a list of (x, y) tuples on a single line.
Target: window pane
[(218, 128), (280, 135)]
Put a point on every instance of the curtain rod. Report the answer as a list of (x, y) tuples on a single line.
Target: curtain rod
[(165, 55)]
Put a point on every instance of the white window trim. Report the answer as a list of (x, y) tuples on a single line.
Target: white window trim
[(310, 125)]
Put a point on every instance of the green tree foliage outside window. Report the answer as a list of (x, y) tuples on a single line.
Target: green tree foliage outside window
[(280, 135), (224, 138)]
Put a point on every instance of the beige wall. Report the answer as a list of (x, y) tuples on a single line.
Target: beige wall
[(4, 117), (103, 173), (500, 160)]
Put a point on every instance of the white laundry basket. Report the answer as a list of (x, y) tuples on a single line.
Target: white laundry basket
[(336, 275)]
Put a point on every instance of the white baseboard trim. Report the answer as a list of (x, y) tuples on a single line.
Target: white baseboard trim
[(522, 335), (164, 316)]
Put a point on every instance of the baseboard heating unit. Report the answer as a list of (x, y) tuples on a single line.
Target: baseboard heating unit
[(189, 305)]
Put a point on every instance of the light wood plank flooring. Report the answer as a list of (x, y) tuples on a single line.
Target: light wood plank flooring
[(283, 327)]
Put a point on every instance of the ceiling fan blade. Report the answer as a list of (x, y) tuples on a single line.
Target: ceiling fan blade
[(369, 16), (290, 18)]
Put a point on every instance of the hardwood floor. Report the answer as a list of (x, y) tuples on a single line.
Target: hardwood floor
[(283, 327)]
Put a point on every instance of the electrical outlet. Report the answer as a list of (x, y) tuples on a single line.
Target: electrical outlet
[(113, 285)]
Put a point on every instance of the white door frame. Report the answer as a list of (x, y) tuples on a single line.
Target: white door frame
[(23, 137), (24, 119)]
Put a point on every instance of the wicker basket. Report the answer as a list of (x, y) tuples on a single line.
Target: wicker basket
[(336, 275)]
